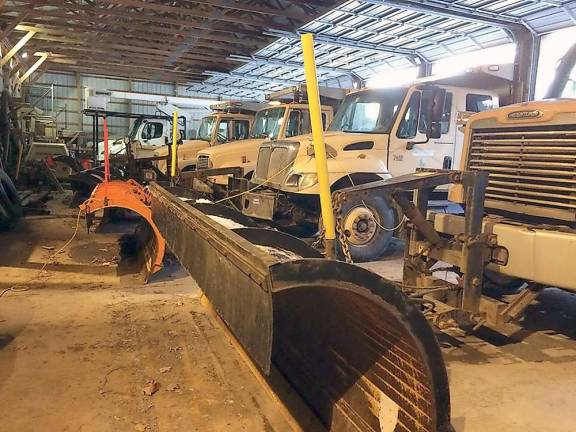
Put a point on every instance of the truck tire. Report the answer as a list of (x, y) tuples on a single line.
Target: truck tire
[(9, 196), (363, 222)]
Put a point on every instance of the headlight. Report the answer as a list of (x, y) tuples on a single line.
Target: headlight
[(301, 181), (293, 180), (308, 180)]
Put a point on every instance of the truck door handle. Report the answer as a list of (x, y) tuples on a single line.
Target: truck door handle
[(447, 162)]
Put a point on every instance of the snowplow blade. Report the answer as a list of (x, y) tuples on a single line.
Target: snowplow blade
[(348, 341), (131, 196)]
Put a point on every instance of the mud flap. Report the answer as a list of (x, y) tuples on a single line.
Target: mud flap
[(350, 343), (131, 196)]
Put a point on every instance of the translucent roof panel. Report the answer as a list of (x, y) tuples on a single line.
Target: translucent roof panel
[(366, 37)]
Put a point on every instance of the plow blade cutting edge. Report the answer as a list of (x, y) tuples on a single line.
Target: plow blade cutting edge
[(348, 341)]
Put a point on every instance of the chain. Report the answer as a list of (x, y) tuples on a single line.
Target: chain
[(319, 242), (338, 200)]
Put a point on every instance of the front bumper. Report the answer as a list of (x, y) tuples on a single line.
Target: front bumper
[(534, 254)]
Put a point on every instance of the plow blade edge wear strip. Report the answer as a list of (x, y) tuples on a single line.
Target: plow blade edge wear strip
[(348, 341)]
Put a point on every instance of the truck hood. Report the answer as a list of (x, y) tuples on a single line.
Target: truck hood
[(187, 147), (115, 147), (231, 147), (337, 140), (233, 152)]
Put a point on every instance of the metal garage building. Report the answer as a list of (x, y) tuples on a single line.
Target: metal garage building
[(242, 51)]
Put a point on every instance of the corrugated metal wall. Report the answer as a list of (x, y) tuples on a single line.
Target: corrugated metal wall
[(68, 100)]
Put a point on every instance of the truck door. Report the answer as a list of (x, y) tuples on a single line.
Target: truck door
[(410, 131), (152, 135), (299, 122), (229, 130), (240, 130)]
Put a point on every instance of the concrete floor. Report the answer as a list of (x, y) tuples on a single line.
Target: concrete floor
[(80, 348)]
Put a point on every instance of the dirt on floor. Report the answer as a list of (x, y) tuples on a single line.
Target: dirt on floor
[(86, 350), (86, 346)]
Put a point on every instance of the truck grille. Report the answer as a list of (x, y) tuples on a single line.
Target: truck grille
[(203, 162), (274, 160), (532, 170)]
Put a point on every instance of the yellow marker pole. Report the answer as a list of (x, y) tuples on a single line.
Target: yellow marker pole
[(318, 140), (174, 144)]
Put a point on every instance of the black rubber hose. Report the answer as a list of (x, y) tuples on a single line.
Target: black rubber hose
[(9, 196), (6, 219)]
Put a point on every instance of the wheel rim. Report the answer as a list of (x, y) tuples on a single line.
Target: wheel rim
[(361, 225)]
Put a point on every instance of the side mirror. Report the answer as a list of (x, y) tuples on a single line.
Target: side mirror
[(433, 98), (432, 108), (434, 130)]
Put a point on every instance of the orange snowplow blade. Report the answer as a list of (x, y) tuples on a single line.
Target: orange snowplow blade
[(132, 196)]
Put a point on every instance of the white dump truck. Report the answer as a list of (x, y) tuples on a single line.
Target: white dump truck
[(376, 134), (286, 115), (228, 122)]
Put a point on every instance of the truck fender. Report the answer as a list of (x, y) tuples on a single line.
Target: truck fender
[(353, 180)]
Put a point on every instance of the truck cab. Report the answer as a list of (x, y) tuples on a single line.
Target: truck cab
[(228, 123), (146, 135), (276, 121), (376, 134)]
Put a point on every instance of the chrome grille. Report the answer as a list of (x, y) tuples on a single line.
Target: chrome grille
[(261, 171), (203, 162), (274, 161), (532, 170)]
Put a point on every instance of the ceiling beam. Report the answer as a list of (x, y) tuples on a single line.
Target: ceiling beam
[(249, 77), (36, 65), (286, 63), (90, 13), (198, 88), (255, 8), (215, 15), (140, 38), (23, 40), (164, 77), (445, 10), (121, 51), (204, 48), (110, 66), (389, 34), (352, 44), (11, 25), (126, 46), (127, 27), (121, 58)]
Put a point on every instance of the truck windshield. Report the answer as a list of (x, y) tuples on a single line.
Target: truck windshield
[(369, 111), (268, 122), (206, 128), (134, 129)]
